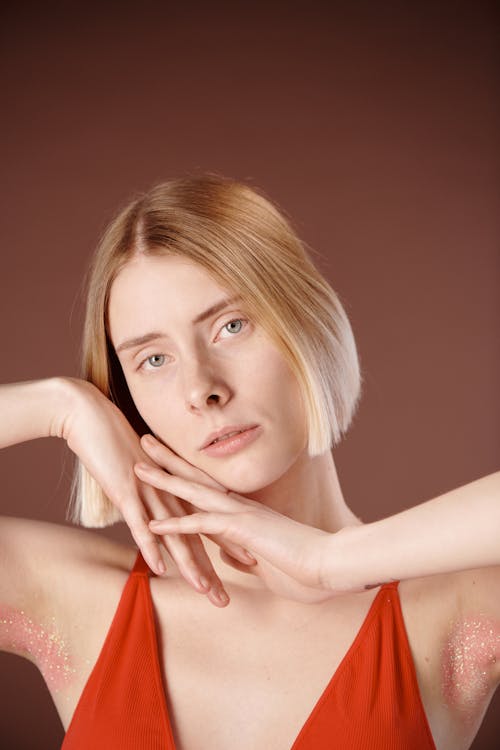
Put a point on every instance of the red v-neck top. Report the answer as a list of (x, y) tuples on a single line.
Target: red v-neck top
[(372, 701)]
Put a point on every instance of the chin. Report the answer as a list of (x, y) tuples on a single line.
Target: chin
[(244, 474), (246, 479)]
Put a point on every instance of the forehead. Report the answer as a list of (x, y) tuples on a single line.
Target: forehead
[(152, 287), (161, 271)]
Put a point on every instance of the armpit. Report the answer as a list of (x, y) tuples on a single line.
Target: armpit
[(21, 635), (468, 662)]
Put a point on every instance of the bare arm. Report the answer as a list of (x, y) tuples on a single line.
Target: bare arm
[(99, 434), (30, 410), (457, 530)]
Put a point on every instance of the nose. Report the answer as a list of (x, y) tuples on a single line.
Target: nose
[(202, 386)]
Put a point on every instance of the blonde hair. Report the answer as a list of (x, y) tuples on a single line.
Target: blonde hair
[(248, 246)]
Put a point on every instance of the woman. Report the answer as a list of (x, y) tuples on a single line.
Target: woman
[(206, 318)]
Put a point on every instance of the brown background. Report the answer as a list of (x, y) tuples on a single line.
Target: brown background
[(376, 130)]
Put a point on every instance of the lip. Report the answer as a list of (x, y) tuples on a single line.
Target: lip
[(233, 444), (224, 430)]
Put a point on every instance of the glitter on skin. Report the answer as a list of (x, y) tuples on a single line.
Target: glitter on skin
[(471, 649), (45, 647)]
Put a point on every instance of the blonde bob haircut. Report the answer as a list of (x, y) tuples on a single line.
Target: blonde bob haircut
[(247, 246)]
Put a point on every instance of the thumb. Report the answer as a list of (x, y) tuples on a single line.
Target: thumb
[(233, 563)]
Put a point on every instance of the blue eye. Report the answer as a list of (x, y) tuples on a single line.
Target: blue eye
[(152, 357), (241, 322), (236, 320)]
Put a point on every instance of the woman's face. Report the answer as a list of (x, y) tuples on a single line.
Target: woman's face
[(193, 378)]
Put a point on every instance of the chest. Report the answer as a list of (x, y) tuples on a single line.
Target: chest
[(251, 675), (234, 679)]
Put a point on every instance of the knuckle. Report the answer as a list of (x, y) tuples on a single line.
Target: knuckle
[(143, 536)]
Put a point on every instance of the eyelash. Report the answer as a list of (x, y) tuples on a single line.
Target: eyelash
[(233, 320)]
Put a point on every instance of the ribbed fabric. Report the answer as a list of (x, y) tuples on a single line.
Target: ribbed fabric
[(122, 706), (372, 702)]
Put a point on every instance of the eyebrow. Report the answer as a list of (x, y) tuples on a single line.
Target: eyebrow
[(152, 335)]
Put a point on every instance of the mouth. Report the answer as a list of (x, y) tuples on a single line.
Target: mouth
[(233, 441), (226, 436), (224, 432)]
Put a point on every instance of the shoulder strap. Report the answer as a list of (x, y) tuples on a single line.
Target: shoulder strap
[(140, 566)]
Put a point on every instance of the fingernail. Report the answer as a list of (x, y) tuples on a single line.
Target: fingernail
[(148, 439), (161, 567), (204, 582), (143, 467), (222, 596)]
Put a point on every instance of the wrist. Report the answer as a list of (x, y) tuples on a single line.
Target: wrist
[(350, 562), (60, 393)]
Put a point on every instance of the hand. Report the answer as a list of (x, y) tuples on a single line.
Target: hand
[(100, 435), (290, 555)]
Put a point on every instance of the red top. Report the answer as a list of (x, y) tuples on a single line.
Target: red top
[(372, 701)]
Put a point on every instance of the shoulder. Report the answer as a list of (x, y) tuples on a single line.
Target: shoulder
[(43, 565), (33, 546)]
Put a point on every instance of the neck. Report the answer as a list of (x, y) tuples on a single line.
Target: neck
[(309, 492)]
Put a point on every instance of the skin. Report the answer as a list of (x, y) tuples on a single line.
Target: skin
[(288, 503), (172, 379), (253, 384), (42, 644)]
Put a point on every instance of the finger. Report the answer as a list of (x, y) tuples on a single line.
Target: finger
[(161, 503), (187, 552), (197, 523), (230, 560), (280, 540), (235, 550), (201, 496), (137, 521), (172, 462), (214, 588), (179, 547), (224, 528), (190, 555), (179, 510)]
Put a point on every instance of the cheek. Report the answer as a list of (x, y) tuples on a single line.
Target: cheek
[(151, 408), (162, 417), (285, 394), (263, 384), (164, 414)]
